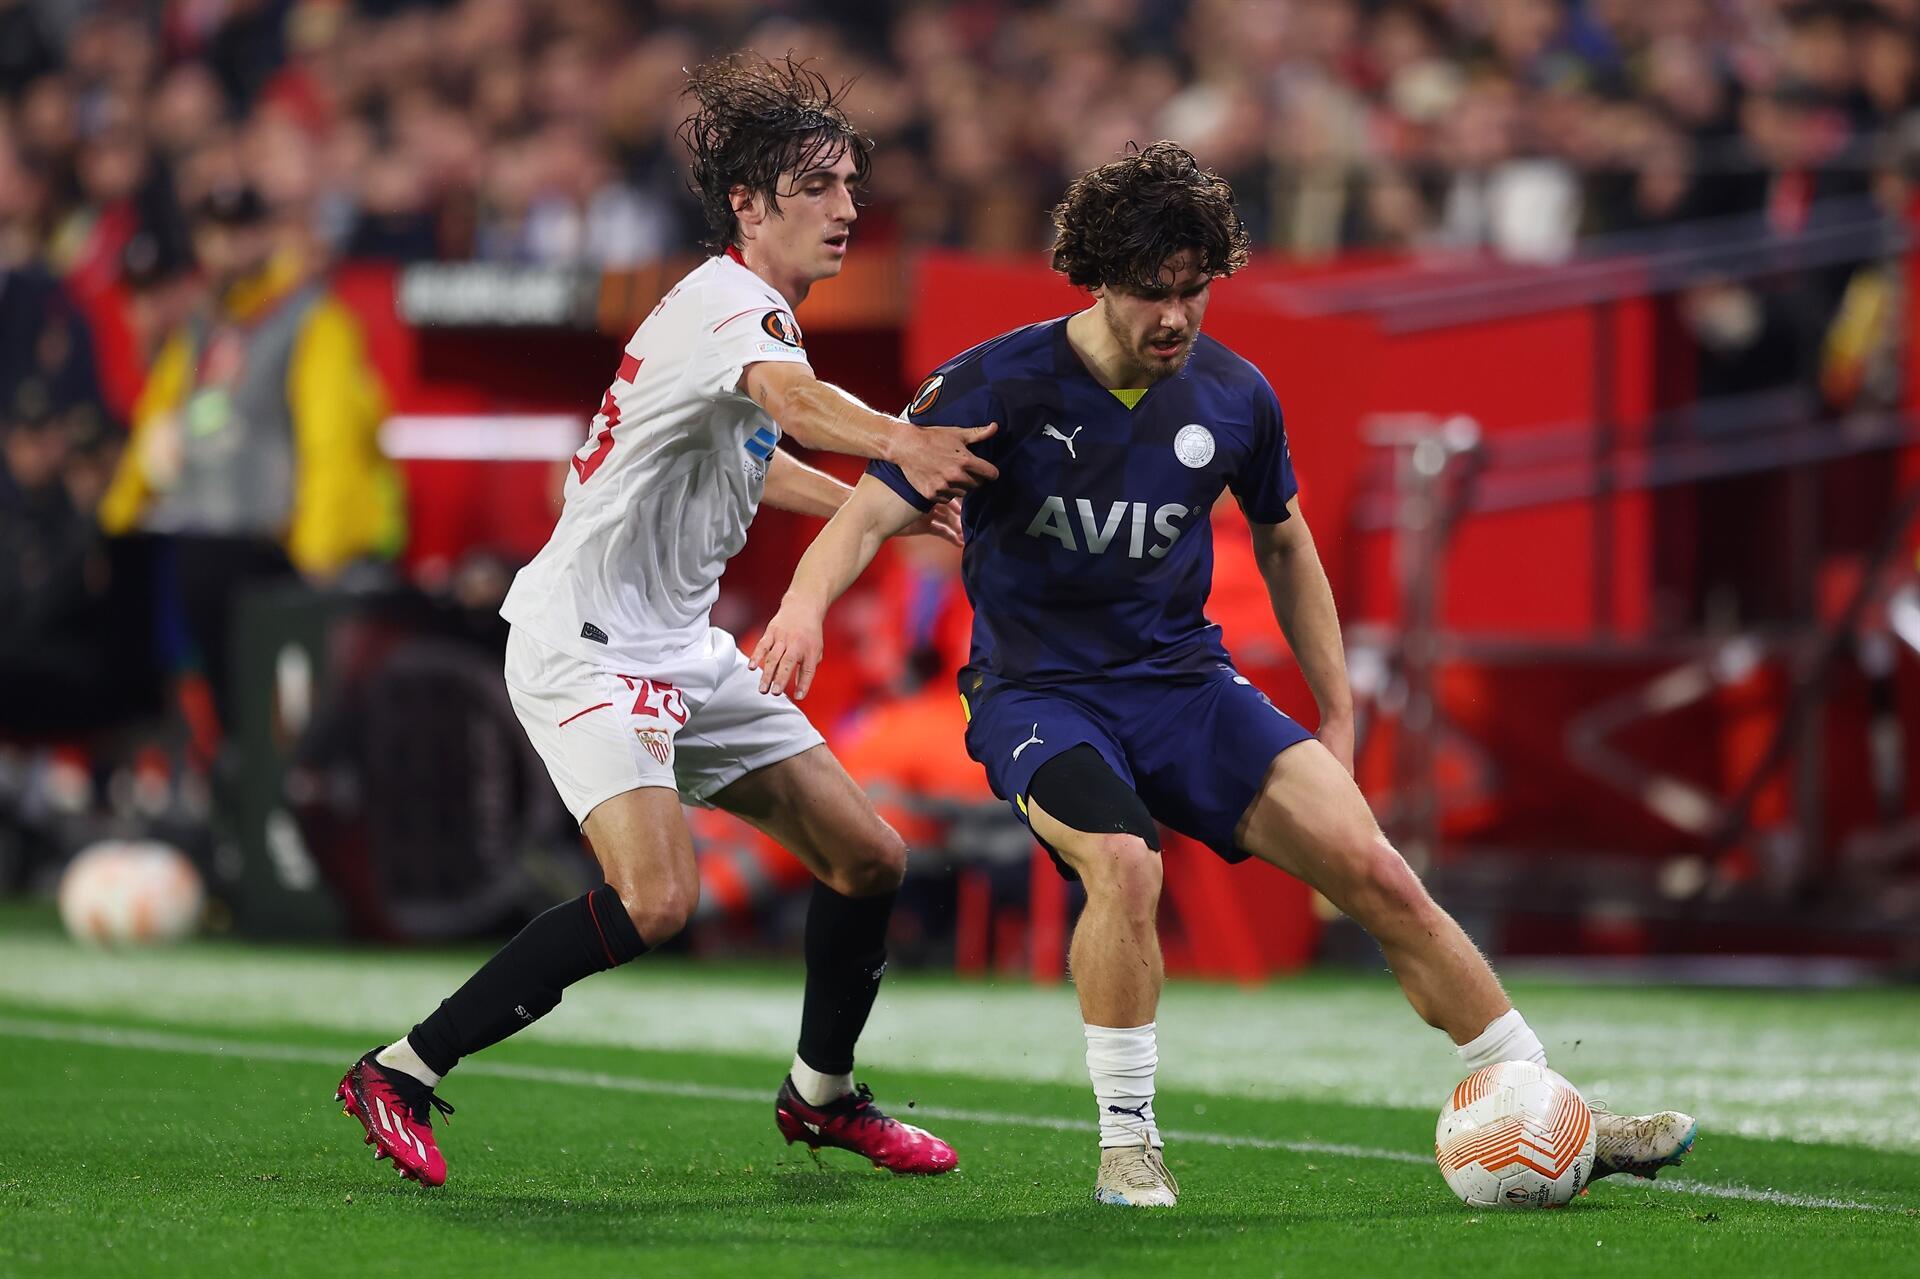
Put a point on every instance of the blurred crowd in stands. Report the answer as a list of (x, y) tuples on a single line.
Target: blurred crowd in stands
[(176, 176), (541, 130)]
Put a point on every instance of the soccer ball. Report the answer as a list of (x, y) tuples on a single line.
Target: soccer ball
[(1515, 1135), (121, 892)]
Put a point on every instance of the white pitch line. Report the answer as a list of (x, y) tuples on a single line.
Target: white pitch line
[(168, 1042)]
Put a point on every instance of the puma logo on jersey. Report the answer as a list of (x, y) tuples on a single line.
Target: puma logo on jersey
[(1095, 533), (1053, 432), (1033, 740)]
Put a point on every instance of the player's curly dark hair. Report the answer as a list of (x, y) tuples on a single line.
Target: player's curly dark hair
[(1118, 224), (756, 120)]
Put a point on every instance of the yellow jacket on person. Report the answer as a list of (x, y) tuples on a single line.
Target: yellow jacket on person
[(263, 419)]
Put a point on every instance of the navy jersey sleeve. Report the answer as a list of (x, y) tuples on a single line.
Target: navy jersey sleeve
[(958, 395), (1265, 483)]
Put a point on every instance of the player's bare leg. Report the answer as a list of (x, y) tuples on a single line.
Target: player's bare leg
[(1115, 952), (1312, 821), (646, 854), (1117, 974), (812, 807)]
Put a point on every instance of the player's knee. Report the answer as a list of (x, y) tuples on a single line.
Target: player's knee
[(1123, 869), (661, 910), (659, 903), (875, 863), (1386, 889)]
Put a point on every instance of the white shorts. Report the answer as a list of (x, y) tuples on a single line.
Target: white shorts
[(695, 723)]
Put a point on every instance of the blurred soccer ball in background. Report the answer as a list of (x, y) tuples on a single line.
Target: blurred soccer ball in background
[(125, 892), (1515, 1135)]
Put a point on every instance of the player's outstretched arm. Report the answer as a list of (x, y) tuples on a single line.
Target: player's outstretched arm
[(790, 647), (938, 461), (794, 486), (1303, 605)]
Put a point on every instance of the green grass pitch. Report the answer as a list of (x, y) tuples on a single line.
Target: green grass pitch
[(172, 1114)]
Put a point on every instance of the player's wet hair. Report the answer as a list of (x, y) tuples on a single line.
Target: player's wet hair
[(1118, 224), (755, 121)]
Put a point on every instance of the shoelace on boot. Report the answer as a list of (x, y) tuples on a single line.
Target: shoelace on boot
[(1148, 1172), (1629, 1127), (416, 1096), (859, 1104)]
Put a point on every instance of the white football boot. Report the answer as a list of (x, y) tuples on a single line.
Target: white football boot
[(1135, 1177), (1639, 1144)]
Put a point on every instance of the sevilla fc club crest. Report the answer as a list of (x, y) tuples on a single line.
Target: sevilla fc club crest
[(658, 744), (778, 324)]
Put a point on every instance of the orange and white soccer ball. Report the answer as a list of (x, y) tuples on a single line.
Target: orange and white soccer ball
[(1515, 1135), (123, 892)]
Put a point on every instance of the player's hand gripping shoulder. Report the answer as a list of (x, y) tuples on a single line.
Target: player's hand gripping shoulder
[(938, 461)]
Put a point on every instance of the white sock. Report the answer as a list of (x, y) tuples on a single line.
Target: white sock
[(815, 1088), (1121, 1062), (1506, 1038), (400, 1055)]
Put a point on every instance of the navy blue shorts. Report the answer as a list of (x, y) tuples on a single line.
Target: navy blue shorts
[(1196, 752)]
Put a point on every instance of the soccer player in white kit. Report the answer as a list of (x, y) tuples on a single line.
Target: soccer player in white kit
[(629, 693)]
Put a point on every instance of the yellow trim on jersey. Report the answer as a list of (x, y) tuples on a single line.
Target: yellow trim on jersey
[(965, 708), (1128, 397)]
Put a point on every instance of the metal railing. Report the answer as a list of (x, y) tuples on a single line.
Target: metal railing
[(1435, 473), (1464, 288)]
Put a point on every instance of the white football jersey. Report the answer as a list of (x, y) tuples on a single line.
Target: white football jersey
[(659, 497)]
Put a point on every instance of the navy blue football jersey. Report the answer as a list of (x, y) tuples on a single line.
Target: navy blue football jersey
[(1092, 554)]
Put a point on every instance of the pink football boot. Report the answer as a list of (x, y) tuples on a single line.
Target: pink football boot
[(397, 1111), (854, 1123)]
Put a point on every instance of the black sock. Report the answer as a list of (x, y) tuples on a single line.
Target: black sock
[(846, 957), (522, 983)]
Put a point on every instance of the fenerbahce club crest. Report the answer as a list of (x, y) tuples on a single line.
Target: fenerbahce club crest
[(1193, 446), (658, 744)]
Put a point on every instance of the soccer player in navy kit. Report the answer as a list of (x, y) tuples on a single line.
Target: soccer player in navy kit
[(1099, 697)]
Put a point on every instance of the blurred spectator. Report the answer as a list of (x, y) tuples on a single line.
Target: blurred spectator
[(258, 417), (27, 48), (160, 288), (69, 661), (45, 536), (253, 442), (43, 335), (1525, 207)]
